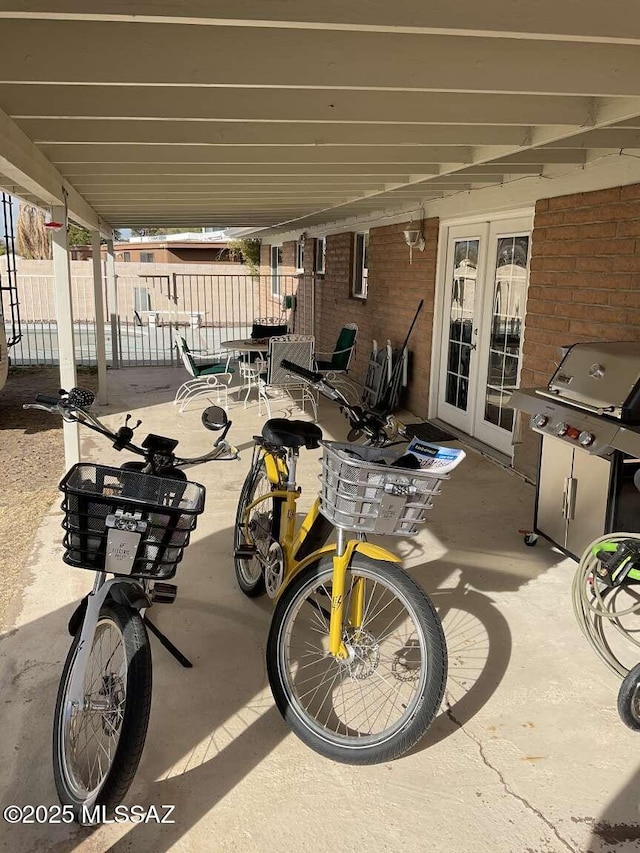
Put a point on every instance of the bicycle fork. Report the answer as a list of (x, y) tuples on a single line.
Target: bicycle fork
[(341, 560)]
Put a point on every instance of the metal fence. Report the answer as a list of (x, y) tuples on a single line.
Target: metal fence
[(208, 309)]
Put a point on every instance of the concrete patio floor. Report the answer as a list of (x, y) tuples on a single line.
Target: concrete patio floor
[(526, 756)]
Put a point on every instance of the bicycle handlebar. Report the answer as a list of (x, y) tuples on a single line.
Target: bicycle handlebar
[(360, 419), (309, 375), (73, 406), (47, 400)]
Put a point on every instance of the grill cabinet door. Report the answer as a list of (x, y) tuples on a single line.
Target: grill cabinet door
[(556, 466), (592, 475)]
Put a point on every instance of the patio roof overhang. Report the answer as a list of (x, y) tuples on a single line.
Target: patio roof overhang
[(190, 112)]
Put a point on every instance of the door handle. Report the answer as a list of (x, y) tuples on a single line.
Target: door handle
[(569, 498)]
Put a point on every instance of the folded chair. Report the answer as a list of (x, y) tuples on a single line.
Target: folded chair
[(278, 381), (210, 379), (336, 366)]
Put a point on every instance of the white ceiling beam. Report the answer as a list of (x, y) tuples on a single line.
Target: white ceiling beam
[(606, 138), (288, 105), (101, 199), (544, 19), (10, 187), (159, 183), (605, 114), (103, 132), (257, 155), (217, 57), (25, 165), (76, 172), (127, 174)]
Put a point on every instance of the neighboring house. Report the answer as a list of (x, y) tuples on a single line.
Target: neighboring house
[(503, 289), (172, 252), (183, 248)]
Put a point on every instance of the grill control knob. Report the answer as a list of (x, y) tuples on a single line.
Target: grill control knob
[(586, 439), (562, 428), (540, 420)]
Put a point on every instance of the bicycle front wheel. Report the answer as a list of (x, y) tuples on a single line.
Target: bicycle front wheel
[(629, 699), (376, 704), (97, 745)]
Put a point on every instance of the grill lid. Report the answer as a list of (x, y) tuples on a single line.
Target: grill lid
[(601, 377)]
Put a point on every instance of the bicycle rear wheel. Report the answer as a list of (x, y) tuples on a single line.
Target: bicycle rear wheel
[(378, 703), (97, 747), (255, 530)]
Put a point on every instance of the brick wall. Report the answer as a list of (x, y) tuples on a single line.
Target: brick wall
[(265, 259), (395, 288), (584, 283), (288, 258)]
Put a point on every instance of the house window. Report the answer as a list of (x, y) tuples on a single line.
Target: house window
[(141, 299), (146, 257), (321, 250), (126, 257), (360, 270), (299, 256), (276, 263)]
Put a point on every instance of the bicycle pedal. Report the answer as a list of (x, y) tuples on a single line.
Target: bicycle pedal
[(245, 552), (164, 593)]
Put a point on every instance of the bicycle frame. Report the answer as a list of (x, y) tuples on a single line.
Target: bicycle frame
[(282, 476)]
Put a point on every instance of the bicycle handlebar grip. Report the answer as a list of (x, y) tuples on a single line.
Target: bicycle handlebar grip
[(310, 375), (47, 400)]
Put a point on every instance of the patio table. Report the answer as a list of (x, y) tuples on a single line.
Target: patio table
[(246, 346)]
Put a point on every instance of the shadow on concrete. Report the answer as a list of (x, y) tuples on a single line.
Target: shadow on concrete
[(618, 827), (214, 724)]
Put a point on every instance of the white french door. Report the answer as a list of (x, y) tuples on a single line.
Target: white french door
[(485, 287)]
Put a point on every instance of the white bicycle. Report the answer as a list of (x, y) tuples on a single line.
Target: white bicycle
[(130, 525)]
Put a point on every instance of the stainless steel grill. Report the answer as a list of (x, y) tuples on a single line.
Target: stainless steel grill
[(589, 418)]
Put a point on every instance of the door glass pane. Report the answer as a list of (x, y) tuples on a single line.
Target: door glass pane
[(461, 311), (509, 294)]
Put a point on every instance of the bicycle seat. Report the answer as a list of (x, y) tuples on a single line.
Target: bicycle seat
[(280, 432)]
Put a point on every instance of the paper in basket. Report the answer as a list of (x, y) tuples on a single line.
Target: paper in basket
[(434, 457)]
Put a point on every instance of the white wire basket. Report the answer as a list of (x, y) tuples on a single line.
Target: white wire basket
[(360, 491)]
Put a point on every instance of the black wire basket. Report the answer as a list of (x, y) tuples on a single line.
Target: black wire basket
[(153, 515)]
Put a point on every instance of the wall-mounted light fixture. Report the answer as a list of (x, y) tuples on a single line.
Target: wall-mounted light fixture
[(414, 240)]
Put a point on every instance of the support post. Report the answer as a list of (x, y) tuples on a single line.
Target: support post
[(101, 350), (112, 303), (64, 317)]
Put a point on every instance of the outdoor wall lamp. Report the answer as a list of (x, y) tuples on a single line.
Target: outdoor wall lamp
[(414, 240)]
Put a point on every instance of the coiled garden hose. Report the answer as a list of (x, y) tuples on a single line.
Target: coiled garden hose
[(594, 604)]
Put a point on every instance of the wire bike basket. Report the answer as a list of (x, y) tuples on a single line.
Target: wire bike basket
[(361, 491), (127, 522)]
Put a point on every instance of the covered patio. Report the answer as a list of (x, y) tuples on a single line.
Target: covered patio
[(527, 752), (313, 120)]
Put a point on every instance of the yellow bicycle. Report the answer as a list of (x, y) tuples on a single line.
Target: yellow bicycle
[(356, 655)]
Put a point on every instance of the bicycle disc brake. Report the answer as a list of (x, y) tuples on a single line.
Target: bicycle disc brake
[(274, 570)]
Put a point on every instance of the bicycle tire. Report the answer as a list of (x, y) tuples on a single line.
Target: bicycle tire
[(629, 699), (133, 715), (356, 745), (249, 572)]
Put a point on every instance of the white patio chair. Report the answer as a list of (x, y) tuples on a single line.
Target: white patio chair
[(210, 379), (278, 381), (250, 373)]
